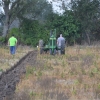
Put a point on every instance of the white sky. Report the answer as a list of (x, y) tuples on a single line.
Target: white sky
[(56, 4)]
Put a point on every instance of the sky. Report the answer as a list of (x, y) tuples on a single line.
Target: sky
[(56, 4)]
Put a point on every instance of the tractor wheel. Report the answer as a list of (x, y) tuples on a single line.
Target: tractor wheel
[(54, 51)]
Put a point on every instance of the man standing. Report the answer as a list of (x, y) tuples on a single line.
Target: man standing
[(61, 44), (12, 42)]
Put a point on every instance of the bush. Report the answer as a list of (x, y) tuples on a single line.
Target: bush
[(2, 40), (17, 34)]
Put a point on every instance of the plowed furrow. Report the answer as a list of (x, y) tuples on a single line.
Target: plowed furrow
[(10, 78)]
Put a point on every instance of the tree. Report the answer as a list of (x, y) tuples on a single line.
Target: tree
[(15, 8), (37, 11), (11, 10), (65, 24), (32, 21), (88, 13)]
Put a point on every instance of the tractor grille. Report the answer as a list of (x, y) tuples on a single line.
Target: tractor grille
[(53, 42)]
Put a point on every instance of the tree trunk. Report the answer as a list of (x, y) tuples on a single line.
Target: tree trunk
[(5, 29), (6, 23)]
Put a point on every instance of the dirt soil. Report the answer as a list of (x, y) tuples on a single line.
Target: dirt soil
[(10, 78)]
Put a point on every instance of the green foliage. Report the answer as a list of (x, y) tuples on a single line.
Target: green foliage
[(17, 33), (29, 71), (80, 22), (29, 33), (65, 24), (87, 13), (98, 86), (71, 27), (95, 70), (33, 31), (2, 39)]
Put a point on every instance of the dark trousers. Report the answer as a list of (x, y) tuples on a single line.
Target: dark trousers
[(61, 49)]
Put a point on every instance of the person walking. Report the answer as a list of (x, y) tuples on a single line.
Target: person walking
[(61, 44), (12, 42)]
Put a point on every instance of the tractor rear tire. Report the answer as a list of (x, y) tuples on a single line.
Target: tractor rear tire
[(52, 52)]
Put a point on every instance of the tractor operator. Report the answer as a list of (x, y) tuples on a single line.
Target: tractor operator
[(61, 44)]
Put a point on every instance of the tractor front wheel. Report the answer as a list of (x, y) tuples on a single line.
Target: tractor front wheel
[(52, 52)]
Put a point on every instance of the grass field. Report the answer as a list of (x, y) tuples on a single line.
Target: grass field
[(7, 60), (73, 76)]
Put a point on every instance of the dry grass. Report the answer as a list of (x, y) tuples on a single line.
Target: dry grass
[(73, 76), (7, 60)]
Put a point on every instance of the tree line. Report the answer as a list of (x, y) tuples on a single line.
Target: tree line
[(80, 21)]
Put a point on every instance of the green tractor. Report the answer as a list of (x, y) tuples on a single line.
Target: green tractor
[(52, 44)]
